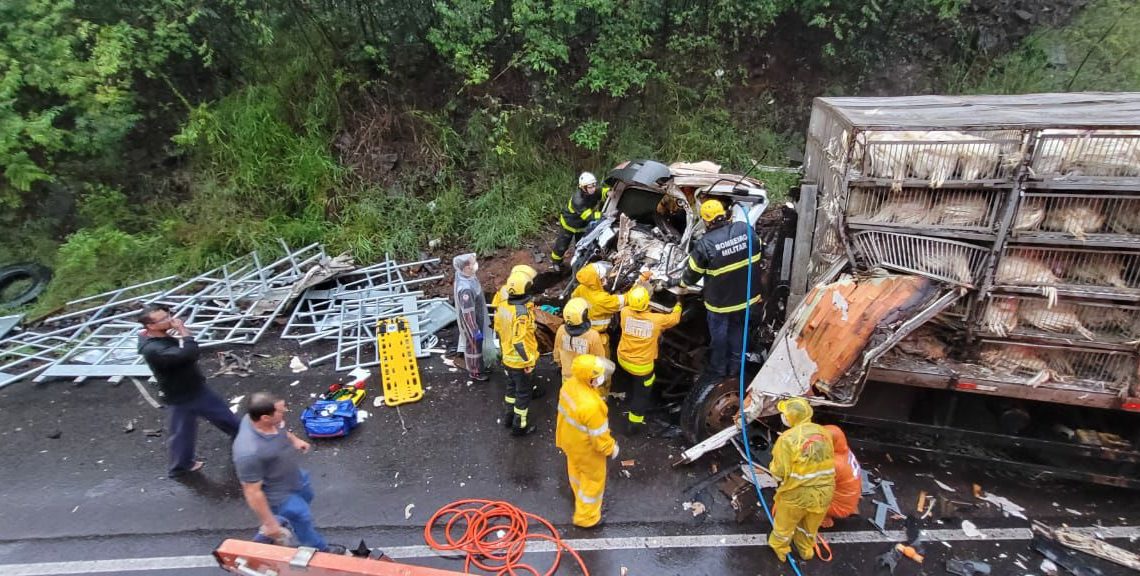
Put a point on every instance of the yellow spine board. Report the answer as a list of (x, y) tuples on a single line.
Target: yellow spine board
[(399, 371)]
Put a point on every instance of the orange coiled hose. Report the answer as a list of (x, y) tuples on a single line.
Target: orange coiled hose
[(494, 536)]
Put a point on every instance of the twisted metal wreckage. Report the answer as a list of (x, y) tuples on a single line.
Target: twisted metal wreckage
[(95, 337)]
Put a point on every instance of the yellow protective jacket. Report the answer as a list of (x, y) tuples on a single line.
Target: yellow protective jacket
[(567, 347), (803, 463), (499, 297), (583, 429), (603, 305), (640, 332), (515, 325)]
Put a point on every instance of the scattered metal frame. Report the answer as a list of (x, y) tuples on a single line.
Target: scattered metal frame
[(96, 336)]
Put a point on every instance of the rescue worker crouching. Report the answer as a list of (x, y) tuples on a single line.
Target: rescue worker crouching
[(583, 434), (802, 463), (848, 479), (515, 326), (720, 256), (583, 208), (637, 351), (575, 337)]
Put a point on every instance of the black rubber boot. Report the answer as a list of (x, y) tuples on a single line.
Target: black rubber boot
[(509, 418)]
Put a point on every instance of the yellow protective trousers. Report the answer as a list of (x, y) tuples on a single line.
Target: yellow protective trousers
[(588, 481), (796, 525)]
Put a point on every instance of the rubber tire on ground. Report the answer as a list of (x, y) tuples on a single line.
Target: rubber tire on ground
[(695, 409), (39, 274)]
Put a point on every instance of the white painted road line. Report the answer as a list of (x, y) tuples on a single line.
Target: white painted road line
[(584, 544)]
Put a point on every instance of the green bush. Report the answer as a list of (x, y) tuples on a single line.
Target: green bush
[(95, 260)]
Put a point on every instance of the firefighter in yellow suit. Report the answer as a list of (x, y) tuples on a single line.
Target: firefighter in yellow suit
[(575, 337), (637, 350), (603, 305), (802, 461), (515, 326), (583, 433)]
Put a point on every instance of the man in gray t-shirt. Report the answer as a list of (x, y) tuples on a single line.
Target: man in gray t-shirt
[(267, 459)]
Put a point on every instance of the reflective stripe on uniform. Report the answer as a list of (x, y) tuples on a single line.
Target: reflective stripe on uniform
[(569, 228), (587, 499), (649, 381), (635, 369), (554, 256), (605, 427), (509, 399), (733, 308), (730, 267), (600, 323), (693, 266), (829, 472), (568, 400), (636, 418)]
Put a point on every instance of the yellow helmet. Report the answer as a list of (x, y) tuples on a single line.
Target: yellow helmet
[(575, 311), (587, 368), (517, 284), (639, 298), (525, 270), (711, 209), (795, 410)]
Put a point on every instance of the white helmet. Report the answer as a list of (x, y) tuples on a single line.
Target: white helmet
[(585, 179)]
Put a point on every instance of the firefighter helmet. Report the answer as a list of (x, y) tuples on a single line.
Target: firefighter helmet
[(639, 298), (575, 311), (711, 210), (586, 179), (518, 284)]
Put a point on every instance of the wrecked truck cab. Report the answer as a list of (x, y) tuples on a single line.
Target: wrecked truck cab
[(649, 221), (651, 216)]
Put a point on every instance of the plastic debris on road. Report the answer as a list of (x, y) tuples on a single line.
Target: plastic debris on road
[(296, 365), (695, 507), (970, 530), (408, 511), (1007, 507)]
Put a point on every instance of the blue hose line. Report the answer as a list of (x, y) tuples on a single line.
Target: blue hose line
[(743, 419)]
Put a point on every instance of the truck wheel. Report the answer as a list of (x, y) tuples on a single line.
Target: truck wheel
[(22, 283), (709, 408)]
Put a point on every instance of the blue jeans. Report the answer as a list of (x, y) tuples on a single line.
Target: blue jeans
[(726, 332), (295, 509), (182, 425)]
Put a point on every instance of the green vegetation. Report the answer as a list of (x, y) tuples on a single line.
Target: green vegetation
[(166, 136), (1100, 51)]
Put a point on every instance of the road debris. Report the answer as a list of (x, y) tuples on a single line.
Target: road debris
[(296, 365), (408, 511), (153, 432), (378, 402), (129, 427), (626, 474), (295, 382), (967, 567), (55, 434), (1007, 507), (233, 364), (1089, 545), (695, 507), (1073, 512), (628, 463), (971, 531), (1048, 567), (944, 486), (1059, 556)]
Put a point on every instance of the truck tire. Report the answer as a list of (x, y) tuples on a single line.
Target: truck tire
[(709, 408), (38, 275)]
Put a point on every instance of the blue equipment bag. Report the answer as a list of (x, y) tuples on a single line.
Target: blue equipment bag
[(329, 418)]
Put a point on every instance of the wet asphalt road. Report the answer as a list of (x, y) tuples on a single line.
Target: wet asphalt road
[(99, 493)]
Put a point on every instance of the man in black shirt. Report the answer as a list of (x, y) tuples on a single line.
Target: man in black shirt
[(174, 361)]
